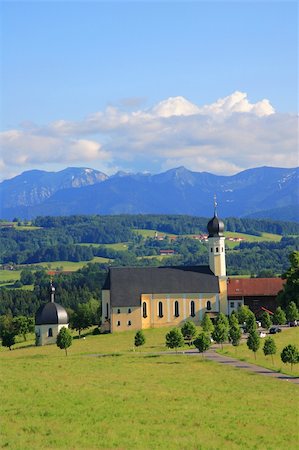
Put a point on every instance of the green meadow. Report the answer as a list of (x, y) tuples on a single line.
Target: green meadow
[(106, 396), (69, 266)]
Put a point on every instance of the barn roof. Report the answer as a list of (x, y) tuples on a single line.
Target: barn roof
[(126, 284), (254, 286)]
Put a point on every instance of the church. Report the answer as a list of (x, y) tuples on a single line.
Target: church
[(150, 297)]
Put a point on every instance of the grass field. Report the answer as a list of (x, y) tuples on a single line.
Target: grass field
[(151, 233), (70, 266), (249, 238), (9, 276), (287, 336), (138, 400)]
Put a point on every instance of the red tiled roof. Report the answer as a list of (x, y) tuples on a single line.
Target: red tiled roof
[(254, 286)]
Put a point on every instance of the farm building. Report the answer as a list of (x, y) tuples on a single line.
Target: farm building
[(144, 297), (257, 293)]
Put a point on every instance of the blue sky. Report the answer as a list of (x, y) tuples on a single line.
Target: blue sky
[(135, 85)]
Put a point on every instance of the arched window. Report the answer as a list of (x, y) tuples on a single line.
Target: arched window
[(217, 249), (129, 311), (129, 323), (176, 309), (160, 307), (211, 250), (144, 310), (107, 311), (209, 305), (118, 311), (50, 332), (192, 308), (118, 323)]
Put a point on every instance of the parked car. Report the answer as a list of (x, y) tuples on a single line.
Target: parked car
[(294, 323), (274, 330)]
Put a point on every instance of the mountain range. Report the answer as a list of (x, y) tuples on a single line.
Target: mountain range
[(263, 192)]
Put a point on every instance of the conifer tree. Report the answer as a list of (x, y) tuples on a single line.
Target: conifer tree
[(188, 331), (279, 317), (207, 324), (253, 342), (139, 339), (202, 342), (269, 347)]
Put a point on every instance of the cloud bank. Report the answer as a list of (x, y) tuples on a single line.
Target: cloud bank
[(223, 137)]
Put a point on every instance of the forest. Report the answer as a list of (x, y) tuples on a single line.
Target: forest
[(81, 238)]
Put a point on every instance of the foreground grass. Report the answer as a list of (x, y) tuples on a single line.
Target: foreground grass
[(138, 400), (287, 336)]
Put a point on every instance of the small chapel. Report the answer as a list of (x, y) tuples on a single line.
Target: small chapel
[(49, 319), (150, 297)]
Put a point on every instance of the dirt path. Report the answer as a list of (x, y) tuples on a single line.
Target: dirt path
[(228, 360)]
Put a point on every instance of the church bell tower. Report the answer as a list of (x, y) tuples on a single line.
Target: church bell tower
[(216, 244)]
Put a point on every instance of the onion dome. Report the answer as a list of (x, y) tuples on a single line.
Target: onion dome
[(51, 313), (215, 226)]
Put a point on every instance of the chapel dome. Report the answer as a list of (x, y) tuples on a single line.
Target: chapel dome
[(51, 314), (215, 227)]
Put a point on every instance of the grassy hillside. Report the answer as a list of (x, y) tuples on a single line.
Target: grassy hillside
[(138, 400)]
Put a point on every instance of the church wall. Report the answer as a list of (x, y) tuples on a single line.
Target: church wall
[(223, 295), (105, 327), (43, 331), (165, 304), (125, 318)]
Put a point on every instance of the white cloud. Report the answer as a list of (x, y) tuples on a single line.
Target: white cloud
[(225, 137), (238, 103)]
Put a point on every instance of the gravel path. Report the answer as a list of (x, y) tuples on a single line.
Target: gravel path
[(228, 360)]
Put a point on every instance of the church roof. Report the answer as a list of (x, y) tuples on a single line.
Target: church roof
[(51, 313), (126, 284)]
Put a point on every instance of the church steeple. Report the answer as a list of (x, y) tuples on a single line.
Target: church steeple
[(52, 291), (216, 244)]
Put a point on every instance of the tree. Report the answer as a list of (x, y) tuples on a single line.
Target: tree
[(266, 320), (269, 347), (174, 339), (82, 318), (279, 317), (242, 314), (202, 342), (250, 322), (23, 325), (290, 290), (8, 339), (27, 277), (207, 324), (290, 354), (292, 311), (64, 339), (188, 331), (220, 333), (234, 333), (253, 342), (139, 339)]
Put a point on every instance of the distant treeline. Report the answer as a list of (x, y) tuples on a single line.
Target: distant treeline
[(176, 224), (59, 237)]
